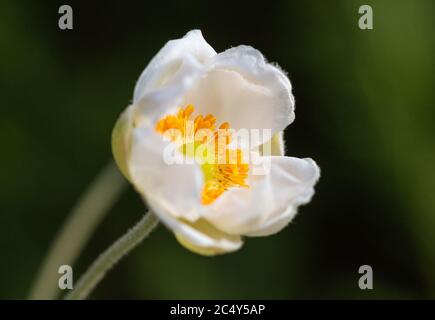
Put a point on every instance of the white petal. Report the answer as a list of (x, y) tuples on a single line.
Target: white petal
[(169, 59), (200, 236), (271, 200), (241, 88), (274, 224), (177, 186), (154, 104), (307, 173)]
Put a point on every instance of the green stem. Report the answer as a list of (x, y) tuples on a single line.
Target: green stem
[(111, 256), (79, 226)]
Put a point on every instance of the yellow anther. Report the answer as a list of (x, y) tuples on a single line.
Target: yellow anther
[(227, 170)]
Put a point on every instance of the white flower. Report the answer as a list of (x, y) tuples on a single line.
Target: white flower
[(210, 208)]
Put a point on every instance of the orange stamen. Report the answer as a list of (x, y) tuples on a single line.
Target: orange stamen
[(227, 170)]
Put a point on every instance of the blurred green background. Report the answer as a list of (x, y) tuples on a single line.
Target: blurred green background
[(365, 107)]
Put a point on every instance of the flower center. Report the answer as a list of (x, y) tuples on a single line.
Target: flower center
[(222, 167)]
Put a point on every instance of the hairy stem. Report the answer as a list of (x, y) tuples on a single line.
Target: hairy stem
[(111, 256), (76, 231)]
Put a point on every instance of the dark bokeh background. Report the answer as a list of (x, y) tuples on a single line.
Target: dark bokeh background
[(364, 112)]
